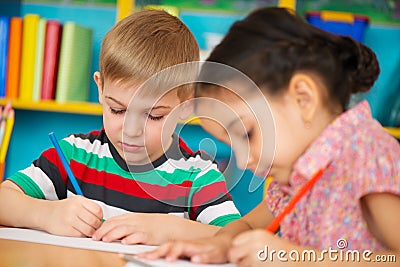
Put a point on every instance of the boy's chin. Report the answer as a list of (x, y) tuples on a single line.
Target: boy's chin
[(133, 162)]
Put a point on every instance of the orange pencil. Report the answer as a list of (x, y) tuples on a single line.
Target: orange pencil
[(274, 225)]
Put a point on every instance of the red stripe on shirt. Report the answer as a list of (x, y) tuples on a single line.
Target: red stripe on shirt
[(52, 156), (208, 193), (130, 186)]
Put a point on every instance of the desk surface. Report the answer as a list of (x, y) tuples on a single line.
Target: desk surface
[(17, 253)]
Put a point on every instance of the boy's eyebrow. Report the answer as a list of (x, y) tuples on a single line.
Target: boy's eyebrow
[(151, 108), (115, 100)]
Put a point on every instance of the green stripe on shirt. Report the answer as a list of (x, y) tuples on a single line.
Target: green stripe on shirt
[(225, 219), (156, 177), (27, 185), (207, 178)]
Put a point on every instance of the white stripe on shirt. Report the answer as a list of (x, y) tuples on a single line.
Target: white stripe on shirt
[(42, 180), (213, 212)]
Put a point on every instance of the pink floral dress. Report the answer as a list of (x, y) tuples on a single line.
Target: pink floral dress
[(358, 158)]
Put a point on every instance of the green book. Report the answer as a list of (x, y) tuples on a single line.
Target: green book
[(73, 77), (37, 75)]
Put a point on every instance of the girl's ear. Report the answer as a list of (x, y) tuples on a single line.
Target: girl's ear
[(305, 91), (97, 80)]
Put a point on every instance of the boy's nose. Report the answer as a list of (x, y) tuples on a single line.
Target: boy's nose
[(133, 127), (133, 130)]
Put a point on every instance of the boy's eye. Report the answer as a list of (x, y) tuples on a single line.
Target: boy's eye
[(117, 111), (155, 118)]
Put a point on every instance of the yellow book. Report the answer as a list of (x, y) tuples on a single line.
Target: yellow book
[(124, 8), (287, 4), (29, 36), (39, 54)]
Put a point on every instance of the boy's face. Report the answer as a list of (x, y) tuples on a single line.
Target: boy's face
[(140, 131)]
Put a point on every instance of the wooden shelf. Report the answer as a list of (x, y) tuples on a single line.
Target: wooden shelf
[(53, 106)]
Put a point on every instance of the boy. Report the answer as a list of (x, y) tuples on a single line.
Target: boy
[(136, 177)]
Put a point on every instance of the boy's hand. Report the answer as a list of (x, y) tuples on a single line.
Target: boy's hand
[(135, 228), (206, 250), (74, 216)]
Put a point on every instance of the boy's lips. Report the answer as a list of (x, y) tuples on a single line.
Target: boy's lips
[(131, 148)]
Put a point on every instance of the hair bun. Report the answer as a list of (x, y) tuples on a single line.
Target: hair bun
[(361, 64)]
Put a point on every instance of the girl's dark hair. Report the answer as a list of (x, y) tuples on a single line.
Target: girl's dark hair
[(271, 44)]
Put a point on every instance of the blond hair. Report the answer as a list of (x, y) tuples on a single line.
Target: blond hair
[(144, 44)]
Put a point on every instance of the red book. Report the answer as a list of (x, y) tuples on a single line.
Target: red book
[(50, 59)]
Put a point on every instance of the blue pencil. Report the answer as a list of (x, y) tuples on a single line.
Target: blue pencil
[(65, 164)]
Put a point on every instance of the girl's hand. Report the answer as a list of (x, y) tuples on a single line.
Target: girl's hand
[(248, 249), (74, 216), (206, 250), (135, 228)]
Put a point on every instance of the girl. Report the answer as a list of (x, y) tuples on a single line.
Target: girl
[(307, 76)]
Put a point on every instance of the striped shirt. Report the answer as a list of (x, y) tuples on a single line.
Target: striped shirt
[(180, 182)]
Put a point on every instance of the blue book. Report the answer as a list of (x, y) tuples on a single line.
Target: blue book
[(4, 32)]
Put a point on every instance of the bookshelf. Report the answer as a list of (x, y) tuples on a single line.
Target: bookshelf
[(53, 106), (35, 119)]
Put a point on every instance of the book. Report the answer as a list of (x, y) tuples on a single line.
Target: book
[(4, 32), (29, 33), (50, 59), (74, 65), (14, 58), (38, 70)]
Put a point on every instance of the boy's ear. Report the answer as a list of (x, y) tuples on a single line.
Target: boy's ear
[(97, 80), (304, 90), (186, 109)]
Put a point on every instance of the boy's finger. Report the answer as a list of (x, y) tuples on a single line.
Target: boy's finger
[(72, 231), (84, 228), (104, 228), (90, 219), (117, 232), (93, 207), (135, 238)]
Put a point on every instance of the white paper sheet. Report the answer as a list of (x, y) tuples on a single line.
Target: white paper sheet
[(35, 236), (136, 262)]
